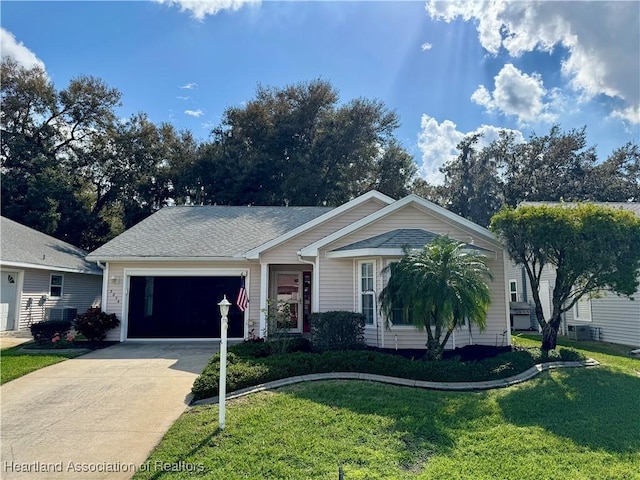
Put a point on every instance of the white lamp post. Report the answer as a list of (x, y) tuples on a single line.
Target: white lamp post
[(224, 324)]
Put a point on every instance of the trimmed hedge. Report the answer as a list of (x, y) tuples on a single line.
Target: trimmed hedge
[(43, 332), (246, 370), (337, 330)]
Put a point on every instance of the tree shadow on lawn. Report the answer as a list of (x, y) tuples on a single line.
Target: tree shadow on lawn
[(596, 407), (425, 421)]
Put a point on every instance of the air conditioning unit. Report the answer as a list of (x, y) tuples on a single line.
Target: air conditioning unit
[(579, 332), (61, 313)]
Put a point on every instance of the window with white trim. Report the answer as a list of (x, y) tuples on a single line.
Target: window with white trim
[(582, 310), (513, 290), (55, 285), (367, 293)]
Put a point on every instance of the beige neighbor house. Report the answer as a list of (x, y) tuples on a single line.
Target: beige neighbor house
[(42, 278), (606, 317), (164, 277)]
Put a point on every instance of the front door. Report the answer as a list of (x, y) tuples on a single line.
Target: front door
[(8, 292), (289, 297)]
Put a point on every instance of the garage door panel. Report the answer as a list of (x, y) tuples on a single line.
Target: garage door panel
[(181, 307)]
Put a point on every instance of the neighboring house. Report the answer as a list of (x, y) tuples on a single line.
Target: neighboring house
[(42, 277), (607, 317), (165, 276)]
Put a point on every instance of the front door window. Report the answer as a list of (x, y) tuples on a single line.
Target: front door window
[(288, 298)]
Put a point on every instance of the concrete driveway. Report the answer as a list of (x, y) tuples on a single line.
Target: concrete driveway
[(99, 415)]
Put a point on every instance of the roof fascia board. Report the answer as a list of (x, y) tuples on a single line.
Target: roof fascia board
[(254, 254), (312, 249), (52, 268)]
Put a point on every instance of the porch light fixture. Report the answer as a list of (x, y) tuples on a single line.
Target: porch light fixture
[(113, 279), (222, 395)]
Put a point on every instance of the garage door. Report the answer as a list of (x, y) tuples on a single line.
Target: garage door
[(181, 307)]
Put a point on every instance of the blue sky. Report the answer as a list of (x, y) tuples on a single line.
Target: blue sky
[(447, 69)]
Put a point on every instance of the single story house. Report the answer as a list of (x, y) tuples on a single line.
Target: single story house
[(607, 317), (164, 276), (42, 278)]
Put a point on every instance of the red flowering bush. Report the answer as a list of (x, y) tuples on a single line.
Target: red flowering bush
[(95, 323)]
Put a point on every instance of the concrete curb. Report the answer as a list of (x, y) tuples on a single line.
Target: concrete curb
[(405, 382), (49, 351)]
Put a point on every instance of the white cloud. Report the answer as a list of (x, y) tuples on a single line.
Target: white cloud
[(517, 94), (189, 86), (426, 46), (437, 142), (200, 9), (194, 113), (179, 97), (602, 40), (11, 48)]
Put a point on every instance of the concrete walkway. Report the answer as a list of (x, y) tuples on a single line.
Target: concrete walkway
[(405, 382), (97, 416)]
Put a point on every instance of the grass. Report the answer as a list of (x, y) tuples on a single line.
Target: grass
[(16, 362), (573, 423)]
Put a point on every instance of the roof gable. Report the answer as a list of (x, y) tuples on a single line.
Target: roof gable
[(443, 214), (371, 195), (23, 246)]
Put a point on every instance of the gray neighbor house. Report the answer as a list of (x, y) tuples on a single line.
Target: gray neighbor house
[(42, 278), (606, 317)]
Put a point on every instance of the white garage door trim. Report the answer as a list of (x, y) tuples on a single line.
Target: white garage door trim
[(176, 272)]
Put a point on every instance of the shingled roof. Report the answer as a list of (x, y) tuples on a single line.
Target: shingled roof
[(397, 239), (400, 238), (205, 231), (22, 246)]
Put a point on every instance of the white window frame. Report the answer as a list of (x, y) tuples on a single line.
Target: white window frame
[(576, 316), (371, 293), (51, 285), (513, 292)]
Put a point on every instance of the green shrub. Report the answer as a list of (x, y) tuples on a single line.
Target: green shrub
[(337, 330), (43, 332), (94, 324), (571, 355), (244, 369)]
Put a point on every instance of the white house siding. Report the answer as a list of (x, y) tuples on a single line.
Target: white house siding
[(614, 319), (286, 253), (80, 291), (115, 281), (338, 282)]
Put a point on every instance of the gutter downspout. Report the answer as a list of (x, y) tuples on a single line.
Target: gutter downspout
[(105, 280)]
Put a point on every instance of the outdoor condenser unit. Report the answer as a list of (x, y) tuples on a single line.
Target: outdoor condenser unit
[(61, 313), (578, 332)]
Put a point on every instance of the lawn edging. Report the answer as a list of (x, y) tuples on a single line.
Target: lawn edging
[(406, 382)]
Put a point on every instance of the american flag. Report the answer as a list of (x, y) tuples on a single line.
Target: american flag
[(242, 300)]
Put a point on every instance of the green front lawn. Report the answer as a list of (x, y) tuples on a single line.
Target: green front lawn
[(14, 362), (572, 423)]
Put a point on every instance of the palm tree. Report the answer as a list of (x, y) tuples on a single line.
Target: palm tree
[(438, 288)]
